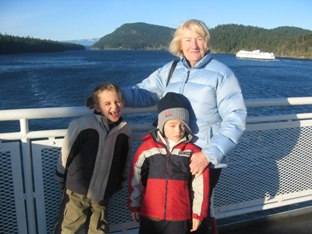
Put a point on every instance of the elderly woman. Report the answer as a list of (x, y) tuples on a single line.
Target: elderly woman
[(218, 116)]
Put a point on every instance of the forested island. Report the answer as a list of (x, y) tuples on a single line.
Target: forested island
[(229, 38), (13, 44)]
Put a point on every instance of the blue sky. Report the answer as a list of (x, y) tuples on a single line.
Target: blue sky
[(86, 19)]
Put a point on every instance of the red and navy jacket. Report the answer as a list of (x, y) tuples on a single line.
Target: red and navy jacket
[(161, 185)]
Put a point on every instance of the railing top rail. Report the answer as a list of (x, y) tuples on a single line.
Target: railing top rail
[(58, 112), (290, 101), (74, 111)]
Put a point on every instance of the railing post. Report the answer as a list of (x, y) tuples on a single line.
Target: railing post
[(28, 180)]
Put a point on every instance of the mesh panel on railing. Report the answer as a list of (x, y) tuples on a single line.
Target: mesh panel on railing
[(52, 193), (266, 165), (117, 209), (8, 217), (118, 212)]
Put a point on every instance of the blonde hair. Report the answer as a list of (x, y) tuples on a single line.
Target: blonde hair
[(106, 87), (194, 25)]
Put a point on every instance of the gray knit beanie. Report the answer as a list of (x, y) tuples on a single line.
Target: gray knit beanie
[(172, 106)]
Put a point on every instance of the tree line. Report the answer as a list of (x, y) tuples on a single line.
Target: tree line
[(13, 44), (283, 41), (228, 38)]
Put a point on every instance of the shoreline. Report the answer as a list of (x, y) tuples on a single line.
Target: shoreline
[(90, 49)]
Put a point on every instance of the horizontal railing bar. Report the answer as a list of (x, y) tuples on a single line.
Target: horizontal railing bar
[(278, 125), (59, 112), (291, 101), (43, 113), (64, 112), (286, 117), (33, 134), (11, 136), (59, 133), (230, 211)]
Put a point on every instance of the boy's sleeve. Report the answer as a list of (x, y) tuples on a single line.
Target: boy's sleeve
[(135, 186), (68, 142), (200, 186)]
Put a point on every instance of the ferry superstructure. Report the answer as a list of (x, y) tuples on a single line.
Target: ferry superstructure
[(270, 167), (255, 54)]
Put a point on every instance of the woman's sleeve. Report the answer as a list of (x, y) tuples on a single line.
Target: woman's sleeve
[(149, 91), (233, 112)]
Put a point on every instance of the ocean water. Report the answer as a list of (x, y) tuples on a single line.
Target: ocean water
[(67, 78)]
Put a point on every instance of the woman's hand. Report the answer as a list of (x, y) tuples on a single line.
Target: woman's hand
[(198, 163)]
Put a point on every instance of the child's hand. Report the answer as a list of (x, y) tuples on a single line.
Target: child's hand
[(135, 216), (195, 224)]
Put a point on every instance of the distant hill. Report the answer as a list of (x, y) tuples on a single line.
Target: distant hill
[(13, 44), (137, 36), (84, 42), (228, 38)]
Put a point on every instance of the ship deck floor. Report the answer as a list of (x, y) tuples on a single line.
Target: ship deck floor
[(287, 220)]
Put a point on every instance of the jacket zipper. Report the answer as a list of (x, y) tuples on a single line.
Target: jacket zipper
[(186, 80), (187, 77), (166, 190)]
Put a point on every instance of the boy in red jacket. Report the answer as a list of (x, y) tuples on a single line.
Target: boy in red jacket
[(163, 194)]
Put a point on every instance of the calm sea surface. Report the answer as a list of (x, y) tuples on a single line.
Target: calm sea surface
[(67, 78)]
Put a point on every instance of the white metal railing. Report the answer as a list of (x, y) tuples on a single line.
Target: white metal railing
[(259, 128), (291, 101)]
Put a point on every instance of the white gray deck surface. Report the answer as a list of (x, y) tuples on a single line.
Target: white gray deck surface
[(298, 221)]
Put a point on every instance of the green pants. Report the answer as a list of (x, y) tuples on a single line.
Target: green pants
[(79, 209)]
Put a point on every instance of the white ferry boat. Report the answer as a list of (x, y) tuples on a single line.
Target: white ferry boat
[(255, 54)]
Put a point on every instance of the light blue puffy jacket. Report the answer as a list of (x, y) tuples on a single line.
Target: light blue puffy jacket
[(218, 115)]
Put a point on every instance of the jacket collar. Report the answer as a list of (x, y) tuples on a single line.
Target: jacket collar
[(201, 63), (104, 121), (158, 137)]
